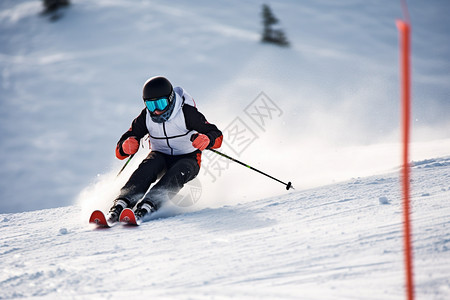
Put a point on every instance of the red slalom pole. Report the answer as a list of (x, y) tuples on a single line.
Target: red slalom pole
[(404, 29)]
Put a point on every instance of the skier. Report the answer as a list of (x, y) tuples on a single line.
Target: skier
[(178, 134)]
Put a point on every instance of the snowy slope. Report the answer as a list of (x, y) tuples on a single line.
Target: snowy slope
[(69, 89), (342, 241)]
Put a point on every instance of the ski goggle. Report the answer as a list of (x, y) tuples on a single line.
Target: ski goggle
[(158, 104)]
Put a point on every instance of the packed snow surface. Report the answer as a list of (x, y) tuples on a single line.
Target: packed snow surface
[(342, 241), (70, 88)]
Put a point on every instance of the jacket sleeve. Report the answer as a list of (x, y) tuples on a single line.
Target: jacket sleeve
[(137, 130), (195, 120)]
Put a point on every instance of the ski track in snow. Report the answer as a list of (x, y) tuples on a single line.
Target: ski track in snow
[(342, 241)]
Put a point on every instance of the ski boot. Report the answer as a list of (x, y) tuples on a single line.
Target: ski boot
[(114, 212), (144, 208)]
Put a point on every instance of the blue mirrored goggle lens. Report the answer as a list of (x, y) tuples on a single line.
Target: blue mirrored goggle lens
[(159, 104)]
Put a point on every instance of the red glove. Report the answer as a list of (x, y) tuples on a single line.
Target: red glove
[(201, 142), (130, 146)]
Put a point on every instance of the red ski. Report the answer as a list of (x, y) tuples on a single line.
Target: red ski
[(128, 217), (98, 218)]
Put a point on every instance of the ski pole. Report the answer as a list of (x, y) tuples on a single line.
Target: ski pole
[(288, 185), (131, 156), (126, 163)]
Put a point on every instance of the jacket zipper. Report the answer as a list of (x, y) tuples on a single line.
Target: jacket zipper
[(167, 138)]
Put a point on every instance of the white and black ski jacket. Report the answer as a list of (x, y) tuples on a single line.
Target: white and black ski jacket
[(173, 137)]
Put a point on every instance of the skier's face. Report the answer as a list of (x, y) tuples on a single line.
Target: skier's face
[(158, 112)]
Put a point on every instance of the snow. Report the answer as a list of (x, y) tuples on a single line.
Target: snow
[(331, 242), (70, 88)]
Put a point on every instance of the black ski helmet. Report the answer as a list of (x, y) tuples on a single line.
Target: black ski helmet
[(159, 87)]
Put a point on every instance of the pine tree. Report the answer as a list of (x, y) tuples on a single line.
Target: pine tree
[(54, 5), (52, 8), (271, 35)]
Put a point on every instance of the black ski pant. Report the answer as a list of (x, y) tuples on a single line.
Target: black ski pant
[(173, 170)]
